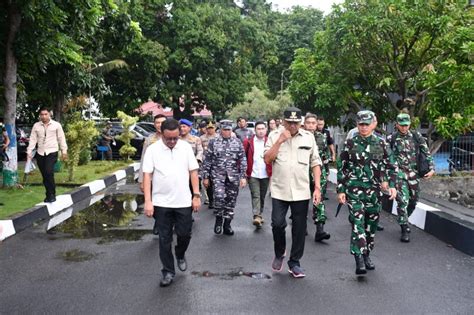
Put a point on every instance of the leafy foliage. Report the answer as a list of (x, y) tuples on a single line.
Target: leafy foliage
[(127, 150)]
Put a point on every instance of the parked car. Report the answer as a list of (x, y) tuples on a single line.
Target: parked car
[(148, 126)]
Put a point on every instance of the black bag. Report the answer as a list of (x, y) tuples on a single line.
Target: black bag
[(422, 164)]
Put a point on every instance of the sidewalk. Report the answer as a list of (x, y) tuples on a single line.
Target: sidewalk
[(42, 211), (449, 222)]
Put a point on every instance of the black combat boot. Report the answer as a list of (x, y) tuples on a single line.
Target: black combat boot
[(405, 238), (320, 233), (227, 228), (369, 265), (360, 266), (218, 225)]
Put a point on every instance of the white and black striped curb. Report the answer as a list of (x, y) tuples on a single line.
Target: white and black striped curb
[(453, 230), (43, 210)]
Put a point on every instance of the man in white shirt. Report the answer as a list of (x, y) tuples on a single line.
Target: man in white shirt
[(170, 163), (258, 172), (49, 136)]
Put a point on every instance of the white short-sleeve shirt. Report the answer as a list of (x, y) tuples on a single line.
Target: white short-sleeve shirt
[(170, 168)]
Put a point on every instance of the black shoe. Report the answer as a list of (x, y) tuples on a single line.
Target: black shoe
[(182, 264), (320, 233), (227, 228), (218, 225), (380, 227), (155, 228), (166, 280), (360, 266), (369, 265), (405, 237), (50, 199)]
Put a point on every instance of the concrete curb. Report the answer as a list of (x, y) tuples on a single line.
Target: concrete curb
[(427, 216), (42, 211)]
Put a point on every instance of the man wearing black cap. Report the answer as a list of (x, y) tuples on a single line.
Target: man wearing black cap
[(225, 165), (292, 152), (205, 138)]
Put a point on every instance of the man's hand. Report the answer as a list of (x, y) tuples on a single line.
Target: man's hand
[(29, 156), (317, 196), (384, 186), (196, 204), (333, 158), (243, 182), (285, 135), (341, 198), (393, 193), (205, 182), (64, 155), (149, 209), (429, 174)]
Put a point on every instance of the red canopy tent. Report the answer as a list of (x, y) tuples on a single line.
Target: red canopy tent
[(153, 109)]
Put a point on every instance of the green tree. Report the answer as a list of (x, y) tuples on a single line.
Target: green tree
[(258, 106), (388, 55)]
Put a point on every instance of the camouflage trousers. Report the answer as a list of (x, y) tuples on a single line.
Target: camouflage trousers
[(407, 197), (225, 196), (319, 211), (364, 209)]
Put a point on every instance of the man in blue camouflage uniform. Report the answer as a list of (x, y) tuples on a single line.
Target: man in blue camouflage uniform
[(225, 164), (405, 146), (364, 170)]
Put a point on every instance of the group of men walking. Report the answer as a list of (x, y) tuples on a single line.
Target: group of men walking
[(291, 161)]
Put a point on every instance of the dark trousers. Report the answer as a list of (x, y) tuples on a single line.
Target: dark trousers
[(181, 220), (46, 167), (299, 213)]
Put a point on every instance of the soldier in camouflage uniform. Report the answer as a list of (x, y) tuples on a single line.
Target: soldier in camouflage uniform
[(405, 144), (225, 164), (319, 211), (364, 170)]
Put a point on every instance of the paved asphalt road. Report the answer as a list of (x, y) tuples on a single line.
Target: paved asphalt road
[(424, 276)]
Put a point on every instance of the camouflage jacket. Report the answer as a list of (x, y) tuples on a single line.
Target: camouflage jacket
[(322, 142), (224, 157), (365, 163), (404, 150)]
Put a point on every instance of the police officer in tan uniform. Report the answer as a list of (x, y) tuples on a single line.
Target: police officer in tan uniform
[(292, 152), (184, 130)]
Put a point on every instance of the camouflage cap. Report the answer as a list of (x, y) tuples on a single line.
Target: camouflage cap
[(210, 125), (403, 119), (292, 114), (226, 124), (365, 117)]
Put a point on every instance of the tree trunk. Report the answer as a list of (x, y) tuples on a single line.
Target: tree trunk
[(59, 104), (10, 169), (434, 147)]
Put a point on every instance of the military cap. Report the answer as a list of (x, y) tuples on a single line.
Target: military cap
[(365, 117), (403, 119), (186, 122), (226, 124), (292, 114), (210, 125), (203, 124)]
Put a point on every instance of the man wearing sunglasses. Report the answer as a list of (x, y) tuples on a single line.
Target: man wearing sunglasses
[(364, 171)]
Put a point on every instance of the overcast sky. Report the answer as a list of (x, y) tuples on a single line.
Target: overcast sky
[(323, 5)]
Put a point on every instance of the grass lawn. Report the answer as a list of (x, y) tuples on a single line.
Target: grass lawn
[(16, 200)]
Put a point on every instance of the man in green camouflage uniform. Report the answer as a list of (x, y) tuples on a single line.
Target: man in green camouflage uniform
[(405, 146), (319, 211), (364, 170)]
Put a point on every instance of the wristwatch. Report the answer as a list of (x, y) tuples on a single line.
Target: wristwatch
[(196, 195)]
